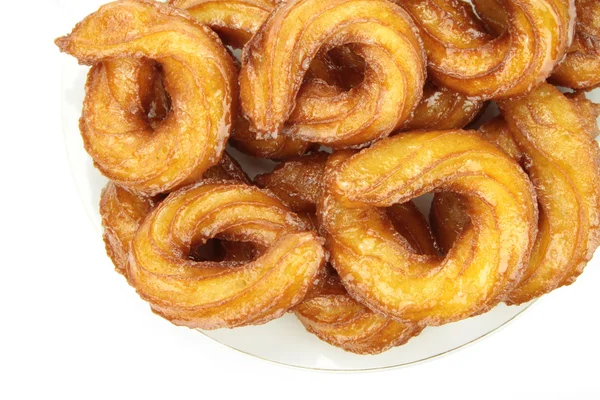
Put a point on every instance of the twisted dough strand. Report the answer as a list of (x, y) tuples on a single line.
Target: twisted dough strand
[(212, 295), (464, 57), (277, 58), (236, 21), (329, 311), (122, 211), (552, 136), (563, 162), (580, 68), (199, 75), (485, 263)]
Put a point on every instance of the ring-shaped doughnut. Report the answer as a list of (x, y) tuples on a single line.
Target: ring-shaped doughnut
[(488, 258), (199, 76), (464, 57), (276, 59), (211, 295)]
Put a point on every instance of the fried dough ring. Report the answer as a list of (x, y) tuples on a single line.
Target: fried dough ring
[(378, 269), (329, 312), (211, 295), (123, 211), (199, 76), (276, 59), (581, 67), (464, 57), (554, 136)]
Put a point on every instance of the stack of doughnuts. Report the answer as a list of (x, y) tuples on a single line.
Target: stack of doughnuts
[(365, 105)]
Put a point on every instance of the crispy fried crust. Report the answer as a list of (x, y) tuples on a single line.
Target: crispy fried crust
[(278, 56), (377, 268), (553, 135), (329, 311), (236, 22), (580, 68), (211, 295), (563, 162), (464, 57), (442, 108), (199, 76), (297, 182), (123, 211), (338, 319)]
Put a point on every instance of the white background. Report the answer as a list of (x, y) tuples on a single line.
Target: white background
[(71, 328)]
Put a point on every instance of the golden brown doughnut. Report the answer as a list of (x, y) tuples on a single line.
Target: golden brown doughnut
[(554, 137), (276, 59), (580, 68), (563, 162), (378, 268), (211, 295), (464, 57), (122, 211), (328, 311), (199, 76)]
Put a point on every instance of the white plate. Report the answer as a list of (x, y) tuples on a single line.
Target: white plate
[(284, 340)]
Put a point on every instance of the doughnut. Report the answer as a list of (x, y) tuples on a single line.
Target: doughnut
[(226, 294), (554, 137), (377, 267), (464, 57), (580, 68), (199, 77), (328, 311), (276, 59), (123, 211)]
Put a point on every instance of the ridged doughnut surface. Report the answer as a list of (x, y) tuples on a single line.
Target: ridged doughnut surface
[(580, 68), (199, 76), (236, 21), (122, 211), (211, 295), (329, 311), (552, 135), (277, 58), (464, 57), (379, 269), (563, 162)]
